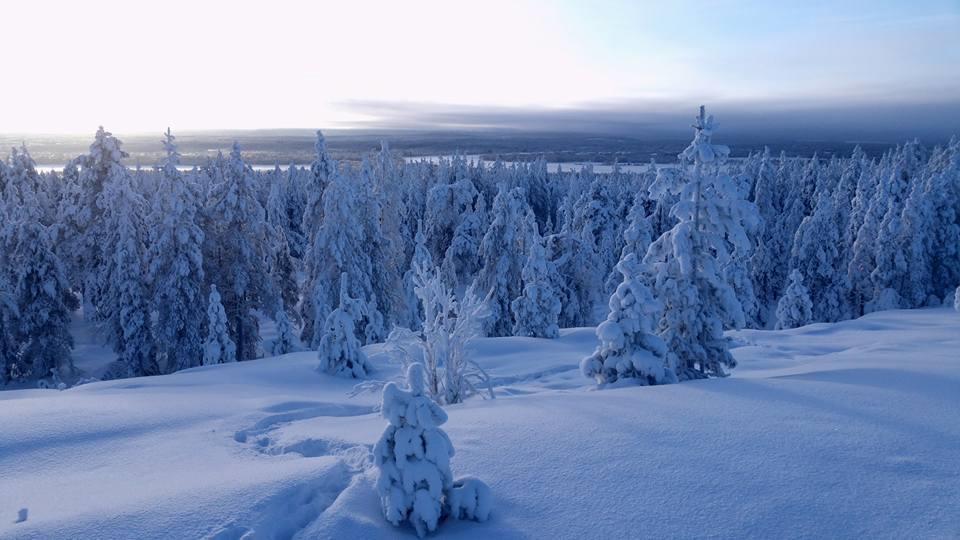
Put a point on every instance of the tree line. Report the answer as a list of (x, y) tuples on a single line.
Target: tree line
[(178, 268)]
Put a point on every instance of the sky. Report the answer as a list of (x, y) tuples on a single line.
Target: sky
[(137, 66)]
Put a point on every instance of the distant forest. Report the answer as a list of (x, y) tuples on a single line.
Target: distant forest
[(270, 147)]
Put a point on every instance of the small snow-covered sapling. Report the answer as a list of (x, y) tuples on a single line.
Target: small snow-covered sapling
[(413, 456)]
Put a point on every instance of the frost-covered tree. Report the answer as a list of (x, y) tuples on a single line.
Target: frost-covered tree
[(218, 347), (21, 174), (956, 299), (462, 259), (280, 262), (871, 261), (636, 236), (86, 248), (340, 249), (134, 342), (441, 342), (688, 260), (579, 280), (794, 307), (861, 237), (237, 252), (449, 207), (9, 353), (629, 346), (537, 310), (769, 256), (415, 483), (597, 226), (296, 203), (501, 250), (421, 259), (121, 279), (905, 277), (279, 206), (176, 269), (322, 171), (891, 265), (389, 233), (339, 350), (816, 254), (43, 298), (285, 340), (942, 236)]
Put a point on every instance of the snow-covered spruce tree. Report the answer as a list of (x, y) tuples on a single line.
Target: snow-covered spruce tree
[(176, 269), (134, 344), (629, 346), (891, 264), (872, 260), (501, 250), (340, 248), (794, 210), (942, 191), (86, 248), (295, 196), (956, 299), (43, 299), (421, 259), (687, 261), (537, 309), (123, 226), (636, 236), (9, 353), (322, 170), (737, 269), (280, 262), (218, 348), (596, 225), (385, 248), (339, 350), (277, 205), (237, 252), (768, 257), (794, 307), (285, 340), (816, 254), (660, 219), (578, 275), (390, 239), (907, 273), (862, 235), (446, 206), (462, 261), (844, 198), (415, 483), (21, 174)]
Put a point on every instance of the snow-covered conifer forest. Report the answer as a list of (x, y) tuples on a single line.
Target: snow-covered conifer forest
[(165, 261), (228, 343)]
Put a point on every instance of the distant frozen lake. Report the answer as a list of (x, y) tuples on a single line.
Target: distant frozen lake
[(59, 168), (551, 166), (472, 158)]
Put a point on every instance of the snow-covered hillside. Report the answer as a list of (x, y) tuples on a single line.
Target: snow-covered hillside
[(829, 430)]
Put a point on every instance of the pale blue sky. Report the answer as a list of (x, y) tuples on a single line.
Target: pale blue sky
[(140, 66)]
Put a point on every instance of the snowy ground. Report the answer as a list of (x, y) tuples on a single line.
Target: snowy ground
[(843, 430)]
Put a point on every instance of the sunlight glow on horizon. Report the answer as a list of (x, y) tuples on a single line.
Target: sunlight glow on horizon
[(140, 67)]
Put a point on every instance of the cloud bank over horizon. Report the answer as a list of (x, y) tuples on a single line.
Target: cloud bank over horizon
[(866, 122)]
